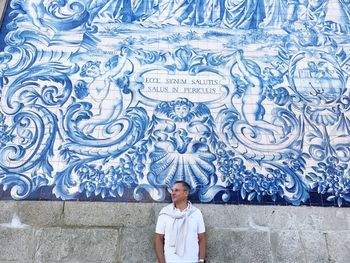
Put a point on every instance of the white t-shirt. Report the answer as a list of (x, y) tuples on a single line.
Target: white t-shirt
[(195, 227)]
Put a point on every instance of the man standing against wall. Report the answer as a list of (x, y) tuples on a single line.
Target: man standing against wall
[(180, 230)]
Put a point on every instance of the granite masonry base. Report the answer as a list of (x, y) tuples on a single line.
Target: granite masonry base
[(3, 4), (48, 232)]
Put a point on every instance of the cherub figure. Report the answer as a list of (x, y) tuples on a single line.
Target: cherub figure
[(254, 94), (104, 89), (35, 9), (181, 131), (183, 118), (181, 110)]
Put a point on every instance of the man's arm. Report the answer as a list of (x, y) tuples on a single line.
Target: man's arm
[(159, 244), (202, 245)]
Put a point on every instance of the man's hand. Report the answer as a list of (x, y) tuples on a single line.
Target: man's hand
[(202, 245), (159, 244)]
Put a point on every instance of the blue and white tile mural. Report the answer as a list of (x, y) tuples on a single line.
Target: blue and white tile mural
[(246, 100)]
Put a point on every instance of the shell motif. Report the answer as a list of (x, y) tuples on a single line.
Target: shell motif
[(195, 165)]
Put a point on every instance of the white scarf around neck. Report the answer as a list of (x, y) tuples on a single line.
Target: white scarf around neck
[(179, 225)]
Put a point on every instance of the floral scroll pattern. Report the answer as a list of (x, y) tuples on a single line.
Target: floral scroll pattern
[(116, 100)]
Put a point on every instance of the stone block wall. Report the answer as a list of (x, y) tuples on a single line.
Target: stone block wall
[(88, 232), (2, 9)]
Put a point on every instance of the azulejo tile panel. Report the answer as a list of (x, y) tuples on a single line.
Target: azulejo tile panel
[(108, 100)]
